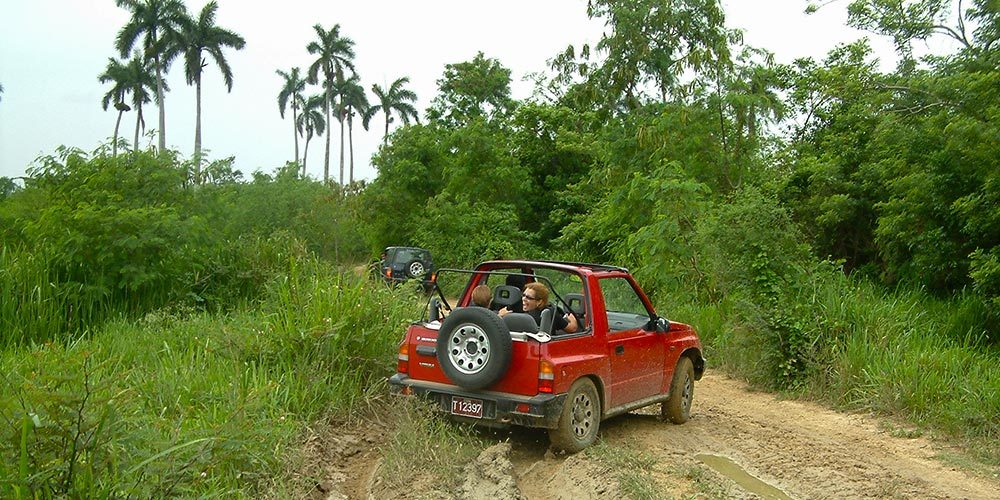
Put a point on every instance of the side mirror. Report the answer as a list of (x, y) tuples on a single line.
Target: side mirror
[(658, 324), (547, 319), (663, 324), (434, 313)]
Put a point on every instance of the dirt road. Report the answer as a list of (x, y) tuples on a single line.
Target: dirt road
[(738, 444)]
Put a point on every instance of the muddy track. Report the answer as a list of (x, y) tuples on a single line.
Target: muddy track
[(798, 449)]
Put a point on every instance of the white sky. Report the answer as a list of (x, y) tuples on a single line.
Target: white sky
[(51, 52)]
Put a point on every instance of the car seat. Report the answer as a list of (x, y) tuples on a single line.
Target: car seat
[(506, 296), (520, 322), (576, 304)]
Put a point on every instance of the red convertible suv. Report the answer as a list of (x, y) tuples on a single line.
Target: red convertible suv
[(495, 371)]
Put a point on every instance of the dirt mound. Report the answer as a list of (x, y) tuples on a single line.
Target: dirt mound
[(574, 477), (491, 476)]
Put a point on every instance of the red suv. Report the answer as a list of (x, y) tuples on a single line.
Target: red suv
[(497, 371)]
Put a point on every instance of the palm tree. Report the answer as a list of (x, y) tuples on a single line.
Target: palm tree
[(152, 20), (196, 37), (354, 100), (311, 122), (134, 78), (116, 72), (334, 54), (397, 99), (292, 91)]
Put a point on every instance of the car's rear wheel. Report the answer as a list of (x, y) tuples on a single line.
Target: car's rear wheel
[(677, 408), (580, 418), (474, 347)]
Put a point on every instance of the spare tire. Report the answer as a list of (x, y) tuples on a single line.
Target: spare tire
[(474, 347), (415, 269)]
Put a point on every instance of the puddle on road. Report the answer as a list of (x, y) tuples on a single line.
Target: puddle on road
[(733, 471)]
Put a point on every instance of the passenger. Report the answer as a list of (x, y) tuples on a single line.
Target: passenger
[(482, 296), (534, 299)]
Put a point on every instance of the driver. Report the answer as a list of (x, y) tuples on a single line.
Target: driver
[(535, 298)]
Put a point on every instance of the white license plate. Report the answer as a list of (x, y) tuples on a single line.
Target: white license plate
[(467, 407)]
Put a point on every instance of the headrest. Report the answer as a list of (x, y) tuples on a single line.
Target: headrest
[(520, 322), (506, 296), (575, 301)]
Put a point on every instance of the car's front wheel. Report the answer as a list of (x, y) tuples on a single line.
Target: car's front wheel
[(580, 418), (677, 408)]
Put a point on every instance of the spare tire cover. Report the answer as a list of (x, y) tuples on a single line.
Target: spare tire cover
[(474, 347)]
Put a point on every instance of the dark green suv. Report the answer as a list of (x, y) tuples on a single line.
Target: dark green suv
[(401, 264)]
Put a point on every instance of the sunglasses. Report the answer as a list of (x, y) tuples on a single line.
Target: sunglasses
[(529, 297)]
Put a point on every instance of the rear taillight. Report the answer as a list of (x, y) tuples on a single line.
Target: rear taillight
[(403, 359), (546, 376)]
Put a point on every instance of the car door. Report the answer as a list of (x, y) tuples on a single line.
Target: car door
[(636, 353)]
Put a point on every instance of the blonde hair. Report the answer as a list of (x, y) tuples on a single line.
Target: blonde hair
[(482, 296), (541, 292)]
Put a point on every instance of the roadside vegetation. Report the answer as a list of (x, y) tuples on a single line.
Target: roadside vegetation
[(172, 326)]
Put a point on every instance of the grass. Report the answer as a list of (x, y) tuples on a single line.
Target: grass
[(444, 449), (705, 482), (192, 404), (33, 308), (633, 469)]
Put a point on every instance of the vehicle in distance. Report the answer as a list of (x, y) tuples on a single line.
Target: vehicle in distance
[(401, 264)]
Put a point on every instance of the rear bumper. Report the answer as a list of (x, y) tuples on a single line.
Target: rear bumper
[(500, 409)]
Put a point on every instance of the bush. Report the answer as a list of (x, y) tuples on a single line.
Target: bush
[(118, 227), (751, 253)]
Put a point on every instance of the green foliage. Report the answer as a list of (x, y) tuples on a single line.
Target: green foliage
[(321, 216), (752, 253), (781, 249), (58, 430), (653, 43), (462, 234), (647, 221), (895, 173), (397, 99), (410, 172), (476, 89), (556, 148), (985, 273), (7, 188), (90, 238), (115, 227)]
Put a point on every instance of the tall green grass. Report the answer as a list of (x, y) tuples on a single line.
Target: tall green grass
[(905, 353), (35, 306), (193, 404)]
